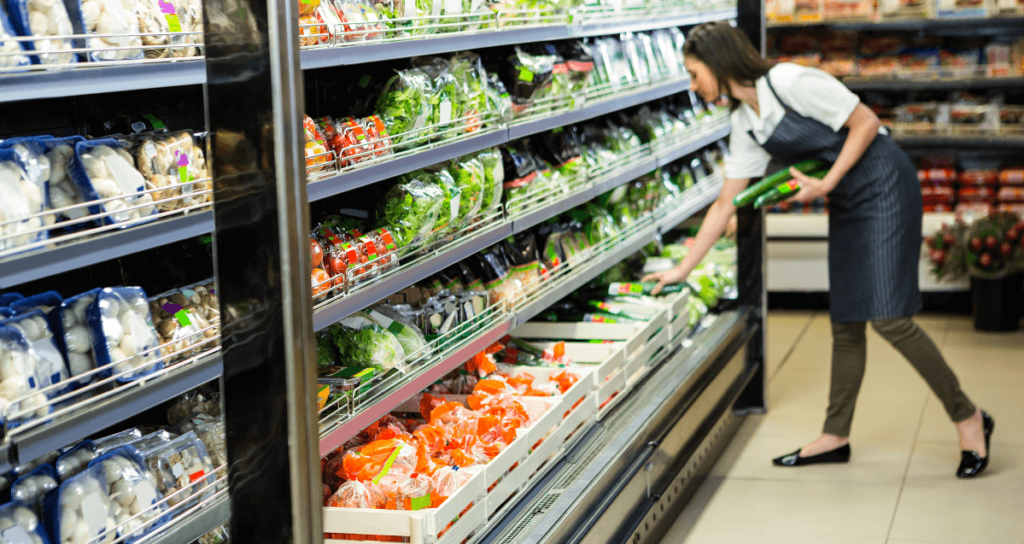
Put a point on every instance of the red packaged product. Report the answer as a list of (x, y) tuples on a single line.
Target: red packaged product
[(1015, 208), (979, 177), (937, 195), (974, 207), (937, 176), (335, 258), (316, 149), (356, 146), (377, 134), (1012, 176), (932, 208), (1011, 194), (976, 194)]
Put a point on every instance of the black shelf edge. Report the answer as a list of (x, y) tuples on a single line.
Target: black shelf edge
[(128, 401), (106, 79), (364, 297), (677, 153), (375, 52), (598, 108), (41, 263), (615, 27), (971, 142), (334, 185), (519, 224), (369, 414), (938, 83), (909, 23)]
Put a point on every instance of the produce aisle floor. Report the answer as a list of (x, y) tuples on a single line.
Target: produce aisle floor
[(899, 486)]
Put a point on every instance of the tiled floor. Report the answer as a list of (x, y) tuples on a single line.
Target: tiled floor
[(899, 486)]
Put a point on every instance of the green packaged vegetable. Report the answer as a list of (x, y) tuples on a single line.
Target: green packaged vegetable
[(468, 173), (448, 217), (469, 72), (410, 209), (403, 106), (410, 337), (494, 179), (363, 343)]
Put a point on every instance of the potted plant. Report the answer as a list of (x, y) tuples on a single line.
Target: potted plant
[(991, 251)]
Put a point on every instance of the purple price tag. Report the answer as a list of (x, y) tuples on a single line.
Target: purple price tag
[(172, 308), (182, 158), (166, 7)]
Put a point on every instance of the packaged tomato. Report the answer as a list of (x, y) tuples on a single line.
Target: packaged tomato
[(937, 176), (976, 194), (307, 7), (377, 134), (335, 257), (937, 195), (352, 21), (1011, 194), (310, 32), (1012, 176), (979, 177), (355, 147), (316, 150), (331, 20)]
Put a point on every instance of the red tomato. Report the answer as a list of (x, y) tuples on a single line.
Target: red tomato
[(991, 241), (975, 244), (316, 252), (1005, 248), (338, 268), (947, 239), (985, 260), (321, 282)]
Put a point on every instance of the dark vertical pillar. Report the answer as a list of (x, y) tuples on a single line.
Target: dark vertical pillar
[(750, 19), (753, 293), (254, 108)]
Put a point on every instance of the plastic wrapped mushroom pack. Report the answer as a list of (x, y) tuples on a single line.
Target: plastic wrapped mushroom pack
[(185, 318)]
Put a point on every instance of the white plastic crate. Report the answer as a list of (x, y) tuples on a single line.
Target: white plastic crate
[(679, 326), (420, 526), (609, 360), (628, 333), (542, 375)]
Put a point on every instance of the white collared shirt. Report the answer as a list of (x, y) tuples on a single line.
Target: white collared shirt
[(808, 91)]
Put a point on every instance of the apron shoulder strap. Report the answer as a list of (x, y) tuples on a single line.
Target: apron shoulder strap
[(768, 80)]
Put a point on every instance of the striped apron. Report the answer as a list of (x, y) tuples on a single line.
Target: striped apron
[(874, 224)]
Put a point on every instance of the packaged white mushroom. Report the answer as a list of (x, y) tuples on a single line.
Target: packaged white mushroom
[(20, 399), (80, 511), (74, 335), (37, 331), (12, 53), (116, 26), (21, 220), (30, 488), (116, 440), (183, 469), (123, 335), (46, 20), (45, 301), (173, 163), (135, 503), (20, 525), (104, 170), (75, 460), (61, 191)]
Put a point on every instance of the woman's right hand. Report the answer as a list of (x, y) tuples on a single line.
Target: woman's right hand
[(667, 277)]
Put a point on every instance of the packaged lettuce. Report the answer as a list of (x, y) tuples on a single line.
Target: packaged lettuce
[(520, 172), (365, 344), (469, 72), (498, 97), (468, 173), (410, 210), (494, 178), (448, 217), (410, 337), (403, 105), (527, 74)]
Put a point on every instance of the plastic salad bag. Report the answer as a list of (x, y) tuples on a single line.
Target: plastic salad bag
[(123, 333), (498, 98), (410, 337), (403, 105), (363, 343), (526, 74), (409, 210), (445, 101), (520, 170), (43, 19), (103, 170), (468, 173), (494, 179), (469, 72), (448, 218)]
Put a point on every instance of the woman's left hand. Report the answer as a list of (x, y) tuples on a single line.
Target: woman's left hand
[(810, 187)]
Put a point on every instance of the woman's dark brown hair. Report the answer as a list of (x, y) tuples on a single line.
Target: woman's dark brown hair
[(728, 53)]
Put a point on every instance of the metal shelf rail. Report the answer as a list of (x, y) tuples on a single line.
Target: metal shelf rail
[(909, 23)]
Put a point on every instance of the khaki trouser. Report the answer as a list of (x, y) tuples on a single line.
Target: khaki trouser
[(849, 353)]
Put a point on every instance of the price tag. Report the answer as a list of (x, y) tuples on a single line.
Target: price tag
[(48, 350), (17, 535), (145, 493), (452, 7), (435, 9), (455, 206), (445, 114), (419, 503), (94, 510), (525, 75), (167, 8)]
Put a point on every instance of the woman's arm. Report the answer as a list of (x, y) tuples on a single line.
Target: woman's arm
[(863, 125), (715, 222)]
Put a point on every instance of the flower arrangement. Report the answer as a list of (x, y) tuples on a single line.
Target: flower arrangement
[(989, 247)]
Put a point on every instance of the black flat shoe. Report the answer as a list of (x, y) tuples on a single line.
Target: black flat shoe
[(838, 455), (971, 463)]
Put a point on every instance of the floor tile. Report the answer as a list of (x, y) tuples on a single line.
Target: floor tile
[(784, 329), (809, 508), (737, 537), (932, 465), (959, 516), (1003, 400)]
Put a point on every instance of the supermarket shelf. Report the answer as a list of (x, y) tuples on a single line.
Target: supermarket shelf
[(970, 142), (519, 224), (598, 108), (361, 298), (374, 52), (908, 23), (195, 524), (32, 266), (936, 83), (414, 385), (627, 175), (390, 168), (814, 226), (695, 199), (674, 154), (87, 80), (130, 400), (615, 27)]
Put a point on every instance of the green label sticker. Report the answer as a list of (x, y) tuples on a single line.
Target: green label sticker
[(395, 327), (156, 123), (172, 22), (387, 466), (525, 75), (206, 239), (183, 174), (182, 317), (419, 503)]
